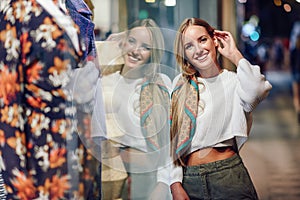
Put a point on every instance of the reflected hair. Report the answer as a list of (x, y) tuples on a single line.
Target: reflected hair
[(157, 39)]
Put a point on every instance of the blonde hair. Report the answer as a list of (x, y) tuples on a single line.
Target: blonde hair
[(188, 72), (177, 110), (157, 39), (186, 67)]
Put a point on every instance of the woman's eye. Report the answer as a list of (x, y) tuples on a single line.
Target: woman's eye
[(145, 48), (203, 39), (188, 46), (131, 41)]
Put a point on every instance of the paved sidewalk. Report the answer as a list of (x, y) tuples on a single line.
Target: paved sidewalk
[(272, 153)]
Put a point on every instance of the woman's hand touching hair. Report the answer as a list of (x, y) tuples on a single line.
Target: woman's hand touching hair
[(227, 46)]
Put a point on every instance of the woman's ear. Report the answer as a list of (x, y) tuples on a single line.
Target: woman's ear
[(216, 41)]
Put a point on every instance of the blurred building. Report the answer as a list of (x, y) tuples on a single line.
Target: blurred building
[(115, 15), (254, 23)]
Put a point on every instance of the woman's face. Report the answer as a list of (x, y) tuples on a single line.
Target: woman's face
[(137, 47), (199, 48)]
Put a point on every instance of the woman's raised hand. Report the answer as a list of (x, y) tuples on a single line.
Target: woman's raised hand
[(227, 46)]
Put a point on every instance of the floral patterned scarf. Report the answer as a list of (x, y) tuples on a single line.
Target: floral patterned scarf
[(154, 112), (186, 124)]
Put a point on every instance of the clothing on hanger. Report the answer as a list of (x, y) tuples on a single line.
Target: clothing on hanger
[(62, 5), (81, 15), (62, 19), (41, 156)]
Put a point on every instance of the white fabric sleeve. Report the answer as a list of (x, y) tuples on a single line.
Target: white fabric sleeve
[(176, 174), (163, 175), (98, 123), (83, 82), (253, 87), (167, 82), (175, 80)]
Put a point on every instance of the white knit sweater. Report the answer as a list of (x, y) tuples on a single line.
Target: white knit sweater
[(224, 99)]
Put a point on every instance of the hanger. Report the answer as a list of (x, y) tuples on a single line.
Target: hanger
[(62, 5)]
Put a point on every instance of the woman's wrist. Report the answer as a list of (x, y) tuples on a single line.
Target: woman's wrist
[(237, 57), (175, 186)]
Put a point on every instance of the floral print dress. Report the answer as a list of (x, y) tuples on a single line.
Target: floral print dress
[(40, 154)]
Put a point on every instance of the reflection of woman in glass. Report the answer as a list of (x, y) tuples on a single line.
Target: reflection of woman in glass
[(211, 115), (137, 103)]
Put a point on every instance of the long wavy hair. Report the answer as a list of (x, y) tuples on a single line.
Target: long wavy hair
[(186, 67), (157, 40), (188, 72)]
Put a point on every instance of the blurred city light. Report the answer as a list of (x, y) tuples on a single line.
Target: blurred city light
[(170, 2), (254, 36), (143, 14), (254, 20), (247, 29), (251, 29), (243, 1), (287, 7), (277, 2), (150, 1)]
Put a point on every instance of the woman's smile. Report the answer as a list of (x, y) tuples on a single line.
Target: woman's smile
[(133, 57), (200, 50), (137, 48), (201, 58)]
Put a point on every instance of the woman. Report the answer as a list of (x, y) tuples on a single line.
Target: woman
[(137, 102), (211, 115)]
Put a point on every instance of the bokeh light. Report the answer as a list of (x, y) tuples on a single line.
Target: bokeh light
[(251, 30), (247, 29), (277, 2), (170, 2), (143, 14), (254, 36), (254, 20), (287, 7)]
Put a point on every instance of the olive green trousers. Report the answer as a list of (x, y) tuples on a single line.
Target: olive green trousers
[(223, 180)]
